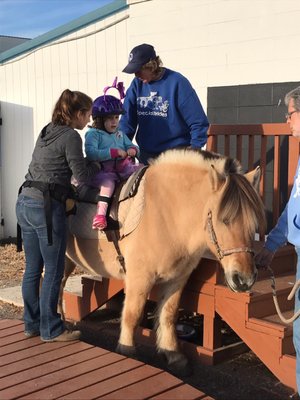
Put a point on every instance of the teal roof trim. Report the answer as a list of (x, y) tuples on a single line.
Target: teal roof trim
[(66, 29)]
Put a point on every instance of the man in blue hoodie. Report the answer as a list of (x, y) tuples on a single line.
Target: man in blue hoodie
[(288, 225), (161, 107)]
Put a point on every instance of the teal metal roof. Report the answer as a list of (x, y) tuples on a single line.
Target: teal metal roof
[(75, 25)]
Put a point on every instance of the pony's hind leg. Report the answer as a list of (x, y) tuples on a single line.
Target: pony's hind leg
[(167, 342), (137, 290), (69, 268)]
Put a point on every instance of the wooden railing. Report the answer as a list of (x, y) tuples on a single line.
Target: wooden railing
[(272, 147)]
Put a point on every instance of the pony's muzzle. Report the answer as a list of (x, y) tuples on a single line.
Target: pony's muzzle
[(238, 282)]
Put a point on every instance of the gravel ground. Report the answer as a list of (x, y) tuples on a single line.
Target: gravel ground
[(242, 378)]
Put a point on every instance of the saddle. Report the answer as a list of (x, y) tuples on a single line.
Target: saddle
[(125, 210)]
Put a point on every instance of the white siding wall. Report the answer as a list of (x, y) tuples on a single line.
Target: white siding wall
[(30, 86), (212, 42)]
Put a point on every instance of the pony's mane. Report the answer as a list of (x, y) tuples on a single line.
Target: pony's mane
[(198, 158), (239, 198)]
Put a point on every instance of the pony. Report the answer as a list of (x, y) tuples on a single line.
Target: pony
[(194, 201)]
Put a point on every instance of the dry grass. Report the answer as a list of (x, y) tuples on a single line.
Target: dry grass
[(12, 265)]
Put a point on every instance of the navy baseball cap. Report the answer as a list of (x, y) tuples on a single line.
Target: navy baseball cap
[(139, 56)]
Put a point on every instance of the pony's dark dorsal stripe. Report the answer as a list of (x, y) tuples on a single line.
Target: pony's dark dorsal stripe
[(209, 155), (232, 166)]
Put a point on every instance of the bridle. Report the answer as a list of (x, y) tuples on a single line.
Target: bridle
[(222, 253), (213, 237)]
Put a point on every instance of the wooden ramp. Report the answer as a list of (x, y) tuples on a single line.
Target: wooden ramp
[(31, 369), (252, 316)]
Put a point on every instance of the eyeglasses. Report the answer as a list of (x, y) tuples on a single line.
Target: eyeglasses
[(289, 114)]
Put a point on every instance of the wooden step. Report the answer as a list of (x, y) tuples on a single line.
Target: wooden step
[(288, 370), (261, 337), (272, 325), (261, 300)]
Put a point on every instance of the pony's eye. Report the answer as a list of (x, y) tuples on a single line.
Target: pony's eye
[(226, 222)]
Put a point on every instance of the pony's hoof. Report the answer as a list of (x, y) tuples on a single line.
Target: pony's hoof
[(178, 364), (128, 351)]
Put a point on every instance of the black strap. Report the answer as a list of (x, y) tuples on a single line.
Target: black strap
[(19, 238), (104, 199), (113, 236), (58, 192), (48, 215), (19, 232)]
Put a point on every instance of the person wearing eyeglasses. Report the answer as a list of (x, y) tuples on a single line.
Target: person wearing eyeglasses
[(288, 224), (162, 110)]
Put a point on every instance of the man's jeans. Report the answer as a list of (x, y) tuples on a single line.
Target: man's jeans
[(296, 324), (40, 304)]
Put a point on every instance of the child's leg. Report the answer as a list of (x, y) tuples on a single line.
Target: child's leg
[(106, 191)]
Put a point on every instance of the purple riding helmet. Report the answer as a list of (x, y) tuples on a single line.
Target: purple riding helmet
[(109, 105)]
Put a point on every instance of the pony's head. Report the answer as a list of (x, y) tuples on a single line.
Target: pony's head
[(229, 203), (233, 214)]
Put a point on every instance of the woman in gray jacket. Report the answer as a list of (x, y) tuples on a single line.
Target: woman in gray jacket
[(41, 213)]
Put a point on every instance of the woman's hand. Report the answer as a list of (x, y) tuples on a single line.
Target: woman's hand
[(264, 258)]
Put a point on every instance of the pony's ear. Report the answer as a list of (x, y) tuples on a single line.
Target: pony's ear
[(216, 179), (254, 177)]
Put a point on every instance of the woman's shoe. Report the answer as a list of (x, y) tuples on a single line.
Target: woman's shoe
[(66, 336), (30, 334), (99, 222)]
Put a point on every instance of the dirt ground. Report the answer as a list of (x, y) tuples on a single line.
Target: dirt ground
[(244, 377)]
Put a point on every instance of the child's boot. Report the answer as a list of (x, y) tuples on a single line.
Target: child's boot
[(99, 222)]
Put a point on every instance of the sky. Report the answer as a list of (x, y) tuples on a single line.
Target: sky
[(31, 18)]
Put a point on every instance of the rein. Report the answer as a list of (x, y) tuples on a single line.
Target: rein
[(222, 253), (213, 237), (290, 296)]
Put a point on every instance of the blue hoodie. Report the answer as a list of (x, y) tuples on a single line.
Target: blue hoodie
[(167, 113), (99, 144), (288, 225)]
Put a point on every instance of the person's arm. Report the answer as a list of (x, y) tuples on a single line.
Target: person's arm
[(129, 121), (194, 116), (76, 161), (91, 146), (278, 235), (129, 145), (276, 238)]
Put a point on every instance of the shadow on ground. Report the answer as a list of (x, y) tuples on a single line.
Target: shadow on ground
[(244, 377)]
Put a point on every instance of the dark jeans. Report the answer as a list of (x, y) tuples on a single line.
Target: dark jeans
[(144, 156), (40, 304)]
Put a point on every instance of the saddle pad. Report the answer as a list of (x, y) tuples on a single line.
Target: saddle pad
[(80, 224), (129, 215), (131, 211)]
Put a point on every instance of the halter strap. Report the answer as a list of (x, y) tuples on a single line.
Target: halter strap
[(213, 237)]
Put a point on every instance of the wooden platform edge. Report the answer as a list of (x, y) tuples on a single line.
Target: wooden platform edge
[(31, 369)]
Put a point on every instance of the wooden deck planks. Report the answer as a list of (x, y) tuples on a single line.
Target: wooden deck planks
[(30, 369)]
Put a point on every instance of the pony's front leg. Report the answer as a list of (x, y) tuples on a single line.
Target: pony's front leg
[(69, 268), (167, 342), (137, 290)]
